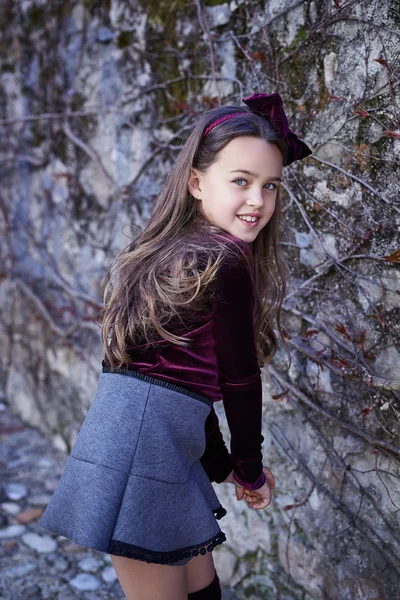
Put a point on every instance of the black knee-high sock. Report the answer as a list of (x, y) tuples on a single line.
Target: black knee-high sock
[(211, 592)]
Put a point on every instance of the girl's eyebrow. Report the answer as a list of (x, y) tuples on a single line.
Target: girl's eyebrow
[(253, 174)]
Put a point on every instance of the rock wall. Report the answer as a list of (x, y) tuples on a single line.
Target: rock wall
[(95, 101)]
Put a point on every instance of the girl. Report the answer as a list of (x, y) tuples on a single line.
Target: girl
[(187, 321)]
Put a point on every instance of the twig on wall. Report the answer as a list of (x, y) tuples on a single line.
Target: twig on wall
[(88, 150), (355, 430), (359, 179)]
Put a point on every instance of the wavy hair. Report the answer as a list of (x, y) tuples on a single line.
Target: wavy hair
[(163, 276)]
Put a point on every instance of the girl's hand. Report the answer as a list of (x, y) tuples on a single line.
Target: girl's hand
[(255, 498), (261, 498), (240, 491)]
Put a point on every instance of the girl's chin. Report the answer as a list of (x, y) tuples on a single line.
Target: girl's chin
[(245, 236)]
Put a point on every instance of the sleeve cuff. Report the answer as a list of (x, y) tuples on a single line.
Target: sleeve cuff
[(250, 486)]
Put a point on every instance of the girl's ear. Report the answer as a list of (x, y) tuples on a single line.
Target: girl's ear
[(194, 184)]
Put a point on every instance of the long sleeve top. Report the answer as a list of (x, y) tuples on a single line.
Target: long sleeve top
[(221, 364)]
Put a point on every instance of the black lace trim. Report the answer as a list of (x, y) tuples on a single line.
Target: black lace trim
[(219, 512), (163, 558), (160, 382)]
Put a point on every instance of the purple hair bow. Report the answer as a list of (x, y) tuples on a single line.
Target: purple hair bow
[(270, 106)]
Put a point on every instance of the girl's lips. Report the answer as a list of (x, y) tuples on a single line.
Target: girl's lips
[(249, 224)]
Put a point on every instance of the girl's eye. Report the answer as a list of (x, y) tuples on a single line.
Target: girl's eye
[(270, 189)]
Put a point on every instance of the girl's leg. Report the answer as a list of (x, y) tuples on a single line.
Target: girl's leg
[(200, 572), (148, 581)]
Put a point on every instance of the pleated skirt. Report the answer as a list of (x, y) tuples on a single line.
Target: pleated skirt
[(133, 484)]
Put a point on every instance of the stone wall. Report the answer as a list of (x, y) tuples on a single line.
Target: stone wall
[(96, 99)]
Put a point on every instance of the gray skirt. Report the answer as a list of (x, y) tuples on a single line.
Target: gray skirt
[(133, 484)]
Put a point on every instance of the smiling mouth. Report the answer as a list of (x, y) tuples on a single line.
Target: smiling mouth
[(251, 222)]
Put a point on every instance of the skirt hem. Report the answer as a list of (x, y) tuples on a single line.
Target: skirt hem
[(119, 548)]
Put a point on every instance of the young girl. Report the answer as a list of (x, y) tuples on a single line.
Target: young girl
[(187, 321)]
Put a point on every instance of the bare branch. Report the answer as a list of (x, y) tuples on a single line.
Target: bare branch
[(304, 398), (88, 150), (204, 26), (339, 369), (44, 116), (63, 333), (361, 181)]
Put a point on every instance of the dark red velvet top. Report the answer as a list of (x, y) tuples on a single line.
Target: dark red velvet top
[(221, 365)]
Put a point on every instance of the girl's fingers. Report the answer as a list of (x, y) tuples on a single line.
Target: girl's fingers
[(259, 505), (269, 477), (251, 498), (239, 493)]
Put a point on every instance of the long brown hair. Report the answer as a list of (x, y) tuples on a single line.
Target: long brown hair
[(165, 272)]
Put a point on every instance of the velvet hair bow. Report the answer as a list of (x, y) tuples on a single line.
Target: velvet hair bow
[(270, 106)]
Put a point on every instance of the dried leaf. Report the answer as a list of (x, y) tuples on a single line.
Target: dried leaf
[(258, 56), (379, 316), (362, 112), (29, 515), (279, 397), (290, 506), (361, 339), (286, 334), (363, 156), (366, 411), (181, 105), (393, 258), (383, 62), (310, 332), (342, 329), (209, 102), (339, 362), (393, 134)]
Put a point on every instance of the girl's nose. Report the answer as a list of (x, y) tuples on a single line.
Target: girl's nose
[(256, 198)]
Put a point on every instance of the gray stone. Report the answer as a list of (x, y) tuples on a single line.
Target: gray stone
[(59, 562), (46, 462), (90, 564), (67, 595), (330, 68), (104, 35), (51, 484), (12, 508), (17, 463), (108, 574), (388, 363), (218, 15), (19, 570), (15, 491), (40, 543), (39, 499), (84, 581), (28, 591), (12, 531), (303, 239)]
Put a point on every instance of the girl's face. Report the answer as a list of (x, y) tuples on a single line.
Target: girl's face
[(243, 180)]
